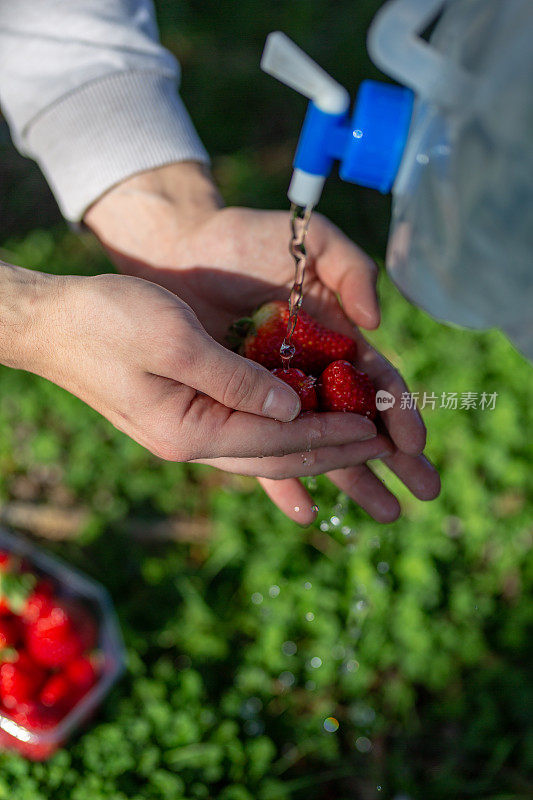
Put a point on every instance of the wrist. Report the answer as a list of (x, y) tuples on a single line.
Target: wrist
[(24, 300), (146, 215)]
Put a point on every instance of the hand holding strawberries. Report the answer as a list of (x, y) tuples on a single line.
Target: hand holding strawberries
[(139, 355), (167, 225)]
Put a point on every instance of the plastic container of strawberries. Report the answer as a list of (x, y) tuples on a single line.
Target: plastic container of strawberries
[(70, 585)]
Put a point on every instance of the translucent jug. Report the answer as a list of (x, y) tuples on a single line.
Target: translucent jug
[(455, 147)]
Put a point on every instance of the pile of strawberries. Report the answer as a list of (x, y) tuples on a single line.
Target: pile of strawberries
[(46, 665), (322, 369)]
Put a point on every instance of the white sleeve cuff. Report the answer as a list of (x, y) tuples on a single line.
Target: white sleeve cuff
[(107, 131)]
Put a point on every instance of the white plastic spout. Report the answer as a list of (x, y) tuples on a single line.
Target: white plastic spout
[(395, 46), (285, 61)]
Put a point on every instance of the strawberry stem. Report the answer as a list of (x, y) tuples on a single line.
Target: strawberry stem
[(238, 331)]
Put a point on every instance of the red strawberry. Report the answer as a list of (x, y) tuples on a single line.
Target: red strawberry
[(39, 602), (315, 345), (82, 675), (303, 385), (342, 387), (20, 681), (9, 631), (52, 640), (56, 691), (61, 634), (53, 650), (83, 622), (35, 716)]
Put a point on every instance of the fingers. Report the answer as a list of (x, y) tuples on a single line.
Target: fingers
[(219, 434), (417, 473), (306, 464), (292, 499), (404, 425), (184, 425), (349, 272), (238, 383), (362, 486)]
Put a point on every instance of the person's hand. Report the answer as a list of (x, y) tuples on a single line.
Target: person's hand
[(169, 227), (139, 356)]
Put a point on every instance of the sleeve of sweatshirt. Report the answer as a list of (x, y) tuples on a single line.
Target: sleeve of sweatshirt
[(90, 93)]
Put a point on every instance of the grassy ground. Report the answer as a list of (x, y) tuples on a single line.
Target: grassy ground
[(249, 633)]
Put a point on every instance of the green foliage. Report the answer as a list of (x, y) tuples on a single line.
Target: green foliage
[(416, 636)]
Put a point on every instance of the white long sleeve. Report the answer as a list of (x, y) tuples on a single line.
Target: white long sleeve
[(91, 94)]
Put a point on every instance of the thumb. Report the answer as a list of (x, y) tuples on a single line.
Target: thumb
[(235, 381)]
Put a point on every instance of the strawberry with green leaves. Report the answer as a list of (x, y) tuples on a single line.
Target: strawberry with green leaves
[(260, 337)]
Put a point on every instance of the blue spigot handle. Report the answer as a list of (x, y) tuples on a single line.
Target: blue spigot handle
[(369, 146)]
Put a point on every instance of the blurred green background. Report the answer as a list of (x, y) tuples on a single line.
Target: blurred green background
[(246, 633)]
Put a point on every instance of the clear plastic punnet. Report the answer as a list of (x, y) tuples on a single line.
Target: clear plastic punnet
[(70, 585)]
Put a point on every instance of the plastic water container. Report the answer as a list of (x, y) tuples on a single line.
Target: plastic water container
[(454, 144)]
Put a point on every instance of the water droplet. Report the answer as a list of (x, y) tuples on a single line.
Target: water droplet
[(378, 787), (286, 352), (257, 598), (304, 459), (382, 567), (363, 744), (251, 707), (346, 530), (331, 725), (289, 648), (308, 585), (274, 591), (351, 665), (309, 616), (316, 662), (287, 679), (253, 727), (361, 605), (324, 526), (335, 521), (312, 483), (296, 508), (315, 509)]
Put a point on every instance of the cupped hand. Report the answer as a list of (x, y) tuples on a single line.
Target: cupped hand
[(139, 355), (224, 262)]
